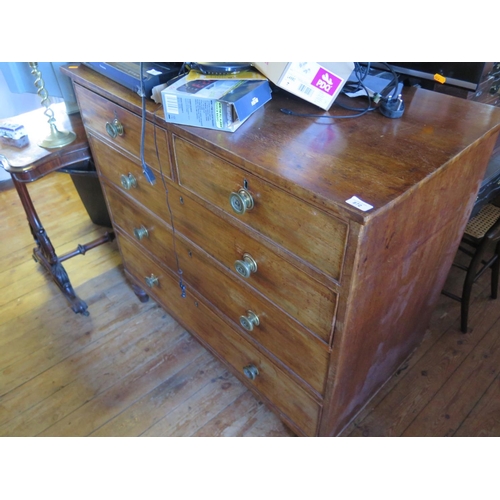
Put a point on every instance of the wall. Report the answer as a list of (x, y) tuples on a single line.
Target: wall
[(14, 104)]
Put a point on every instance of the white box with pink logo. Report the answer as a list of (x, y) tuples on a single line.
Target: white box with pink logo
[(318, 83)]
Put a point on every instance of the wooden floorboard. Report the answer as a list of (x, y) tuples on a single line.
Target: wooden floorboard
[(484, 419), (128, 369)]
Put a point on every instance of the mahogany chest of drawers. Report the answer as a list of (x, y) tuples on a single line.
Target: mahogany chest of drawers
[(247, 240)]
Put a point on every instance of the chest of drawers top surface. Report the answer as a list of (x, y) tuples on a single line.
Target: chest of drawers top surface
[(327, 161)]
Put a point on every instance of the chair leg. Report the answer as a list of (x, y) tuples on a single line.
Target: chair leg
[(470, 278), (466, 293), (473, 274), (483, 242), (464, 311)]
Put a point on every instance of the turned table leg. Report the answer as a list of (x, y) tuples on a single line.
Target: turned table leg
[(44, 252)]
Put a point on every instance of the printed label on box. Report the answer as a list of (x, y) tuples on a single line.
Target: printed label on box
[(326, 81)]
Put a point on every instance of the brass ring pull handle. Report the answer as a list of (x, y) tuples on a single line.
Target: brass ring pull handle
[(249, 321), (141, 232), (114, 128), (152, 281), (241, 201), (250, 371), (128, 181), (247, 266)]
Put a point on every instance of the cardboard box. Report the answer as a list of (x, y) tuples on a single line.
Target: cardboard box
[(318, 83), (217, 104)]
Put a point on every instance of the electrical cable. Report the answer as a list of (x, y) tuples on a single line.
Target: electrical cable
[(182, 286), (361, 72), (148, 173), (394, 81)]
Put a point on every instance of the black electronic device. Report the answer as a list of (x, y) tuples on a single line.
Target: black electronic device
[(220, 68), (466, 75), (129, 75)]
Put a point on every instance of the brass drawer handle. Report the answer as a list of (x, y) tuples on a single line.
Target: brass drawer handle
[(249, 321), (247, 266), (241, 201), (128, 181), (250, 371), (114, 128), (152, 281), (141, 232)]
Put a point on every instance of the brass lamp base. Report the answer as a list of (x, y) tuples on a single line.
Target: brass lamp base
[(57, 138)]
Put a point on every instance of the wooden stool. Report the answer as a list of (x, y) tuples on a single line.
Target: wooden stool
[(32, 162), (482, 235)]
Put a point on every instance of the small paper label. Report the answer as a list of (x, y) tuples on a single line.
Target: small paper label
[(356, 202)]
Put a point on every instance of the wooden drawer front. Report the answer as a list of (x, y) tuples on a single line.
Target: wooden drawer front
[(97, 111), (271, 382), (304, 298), (309, 233), (149, 232), (303, 353), (113, 165)]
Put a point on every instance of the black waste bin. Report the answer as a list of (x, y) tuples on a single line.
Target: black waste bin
[(84, 177)]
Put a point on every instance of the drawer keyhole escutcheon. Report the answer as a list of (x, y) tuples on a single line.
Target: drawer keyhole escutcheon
[(241, 201), (247, 266), (141, 232), (152, 281), (128, 181), (249, 321), (251, 372), (114, 128)]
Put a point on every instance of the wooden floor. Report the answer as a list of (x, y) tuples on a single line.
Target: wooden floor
[(129, 369)]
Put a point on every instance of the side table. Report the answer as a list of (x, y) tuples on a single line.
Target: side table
[(33, 162)]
